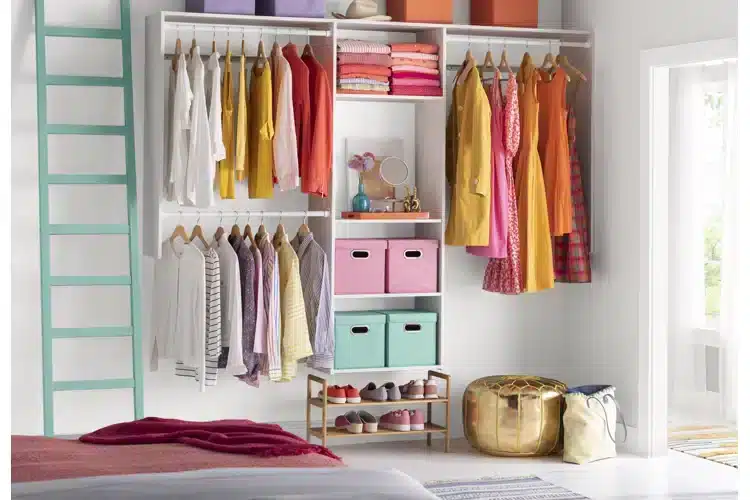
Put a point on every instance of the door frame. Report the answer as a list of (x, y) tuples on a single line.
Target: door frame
[(653, 219)]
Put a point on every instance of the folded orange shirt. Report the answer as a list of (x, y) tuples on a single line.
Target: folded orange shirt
[(369, 69), (415, 62), (424, 48), (377, 78)]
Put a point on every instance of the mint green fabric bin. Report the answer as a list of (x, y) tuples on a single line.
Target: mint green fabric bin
[(411, 338), (360, 340)]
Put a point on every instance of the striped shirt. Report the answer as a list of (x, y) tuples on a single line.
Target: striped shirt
[(208, 375), (316, 290), (249, 317), (363, 47), (295, 340)]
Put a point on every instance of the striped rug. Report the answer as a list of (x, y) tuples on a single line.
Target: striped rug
[(501, 488), (715, 443)]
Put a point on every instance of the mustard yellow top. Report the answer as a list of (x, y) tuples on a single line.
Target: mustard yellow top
[(468, 167), (225, 169), (260, 137), (240, 158)]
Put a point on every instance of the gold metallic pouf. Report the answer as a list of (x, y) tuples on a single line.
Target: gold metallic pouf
[(514, 415)]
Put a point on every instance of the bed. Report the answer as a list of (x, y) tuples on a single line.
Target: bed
[(59, 469)]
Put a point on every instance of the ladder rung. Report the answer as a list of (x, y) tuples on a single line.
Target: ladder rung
[(87, 179), (96, 229), (97, 332), (75, 32), (89, 280), (86, 81), (62, 129), (93, 385)]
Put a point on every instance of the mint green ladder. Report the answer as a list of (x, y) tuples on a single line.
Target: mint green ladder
[(46, 230)]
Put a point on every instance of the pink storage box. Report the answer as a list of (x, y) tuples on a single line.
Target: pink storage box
[(412, 266), (360, 267)]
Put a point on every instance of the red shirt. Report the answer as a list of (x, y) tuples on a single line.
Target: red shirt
[(318, 172), (301, 104)]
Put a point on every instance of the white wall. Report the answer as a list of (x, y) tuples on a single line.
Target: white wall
[(606, 338), (485, 333)]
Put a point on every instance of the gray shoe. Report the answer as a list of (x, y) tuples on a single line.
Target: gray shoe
[(394, 394), (374, 393)]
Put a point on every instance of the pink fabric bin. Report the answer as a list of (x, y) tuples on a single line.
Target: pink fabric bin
[(360, 267), (412, 266)]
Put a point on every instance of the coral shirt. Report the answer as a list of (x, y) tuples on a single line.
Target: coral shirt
[(301, 104), (316, 177)]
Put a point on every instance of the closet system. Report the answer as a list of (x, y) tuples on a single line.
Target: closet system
[(418, 122)]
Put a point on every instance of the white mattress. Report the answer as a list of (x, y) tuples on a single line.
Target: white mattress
[(233, 484)]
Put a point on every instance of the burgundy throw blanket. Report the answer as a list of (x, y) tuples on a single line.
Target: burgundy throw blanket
[(228, 436)]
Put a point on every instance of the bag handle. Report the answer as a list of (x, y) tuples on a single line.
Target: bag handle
[(620, 417)]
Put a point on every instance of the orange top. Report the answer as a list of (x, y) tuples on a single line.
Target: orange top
[(301, 103), (316, 175), (554, 151), (370, 69)]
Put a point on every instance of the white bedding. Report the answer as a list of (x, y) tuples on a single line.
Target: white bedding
[(232, 484)]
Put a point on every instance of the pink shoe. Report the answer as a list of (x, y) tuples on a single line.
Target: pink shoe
[(416, 420), (349, 422), (397, 420)]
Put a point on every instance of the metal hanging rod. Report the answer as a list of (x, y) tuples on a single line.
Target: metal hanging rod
[(514, 41), (257, 213), (219, 29)]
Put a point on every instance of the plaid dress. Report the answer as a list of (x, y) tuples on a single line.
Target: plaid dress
[(572, 260)]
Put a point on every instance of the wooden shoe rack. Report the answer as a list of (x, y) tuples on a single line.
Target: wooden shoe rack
[(324, 432)]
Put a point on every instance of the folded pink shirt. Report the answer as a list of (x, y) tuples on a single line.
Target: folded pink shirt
[(415, 69), (414, 82), (376, 59), (413, 90), (369, 69), (397, 61), (412, 74), (424, 48)]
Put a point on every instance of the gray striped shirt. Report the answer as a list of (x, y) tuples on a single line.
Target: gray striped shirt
[(316, 290)]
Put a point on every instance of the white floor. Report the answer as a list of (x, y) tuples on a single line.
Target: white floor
[(675, 476)]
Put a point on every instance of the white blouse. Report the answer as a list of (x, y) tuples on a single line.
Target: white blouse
[(201, 164), (214, 114), (231, 304), (179, 312), (178, 151), (285, 135)]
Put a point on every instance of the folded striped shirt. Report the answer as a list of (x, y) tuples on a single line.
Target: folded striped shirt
[(414, 69), (369, 76), (362, 86), (415, 55), (363, 47), (397, 61), (367, 81)]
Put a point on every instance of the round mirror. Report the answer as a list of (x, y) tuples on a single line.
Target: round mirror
[(394, 171)]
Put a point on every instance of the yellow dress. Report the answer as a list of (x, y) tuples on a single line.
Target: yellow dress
[(240, 158), (468, 165), (533, 222), (260, 141), (225, 169)]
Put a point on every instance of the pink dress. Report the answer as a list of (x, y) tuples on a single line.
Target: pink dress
[(498, 246), (504, 275)]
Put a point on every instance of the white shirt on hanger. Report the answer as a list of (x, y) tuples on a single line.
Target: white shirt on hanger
[(285, 135), (179, 313), (178, 150), (201, 165), (214, 115), (231, 304)]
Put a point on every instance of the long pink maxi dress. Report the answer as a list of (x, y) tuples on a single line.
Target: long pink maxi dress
[(498, 243), (504, 275)]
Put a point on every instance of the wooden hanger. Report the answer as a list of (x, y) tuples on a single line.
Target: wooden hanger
[(179, 230), (177, 52), (242, 50), (280, 233), (469, 64), (303, 230), (248, 233), (219, 230), (489, 63), (193, 46), (213, 46), (504, 66), (198, 233), (236, 231), (228, 50), (261, 60), (563, 61)]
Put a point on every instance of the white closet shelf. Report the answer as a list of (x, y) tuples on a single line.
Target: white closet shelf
[(387, 369), (388, 296), (389, 221), (388, 98)]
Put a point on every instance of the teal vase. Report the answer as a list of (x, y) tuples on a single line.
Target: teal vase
[(360, 202)]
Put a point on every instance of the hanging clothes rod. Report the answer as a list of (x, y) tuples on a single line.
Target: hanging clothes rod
[(514, 41), (219, 29), (245, 213)]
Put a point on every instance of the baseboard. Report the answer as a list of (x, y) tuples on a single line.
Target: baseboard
[(630, 445)]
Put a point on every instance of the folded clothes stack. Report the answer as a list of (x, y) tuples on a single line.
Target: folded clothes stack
[(415, 69), (363, 67)]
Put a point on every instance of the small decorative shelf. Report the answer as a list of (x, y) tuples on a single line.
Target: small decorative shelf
[(324, 432)]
